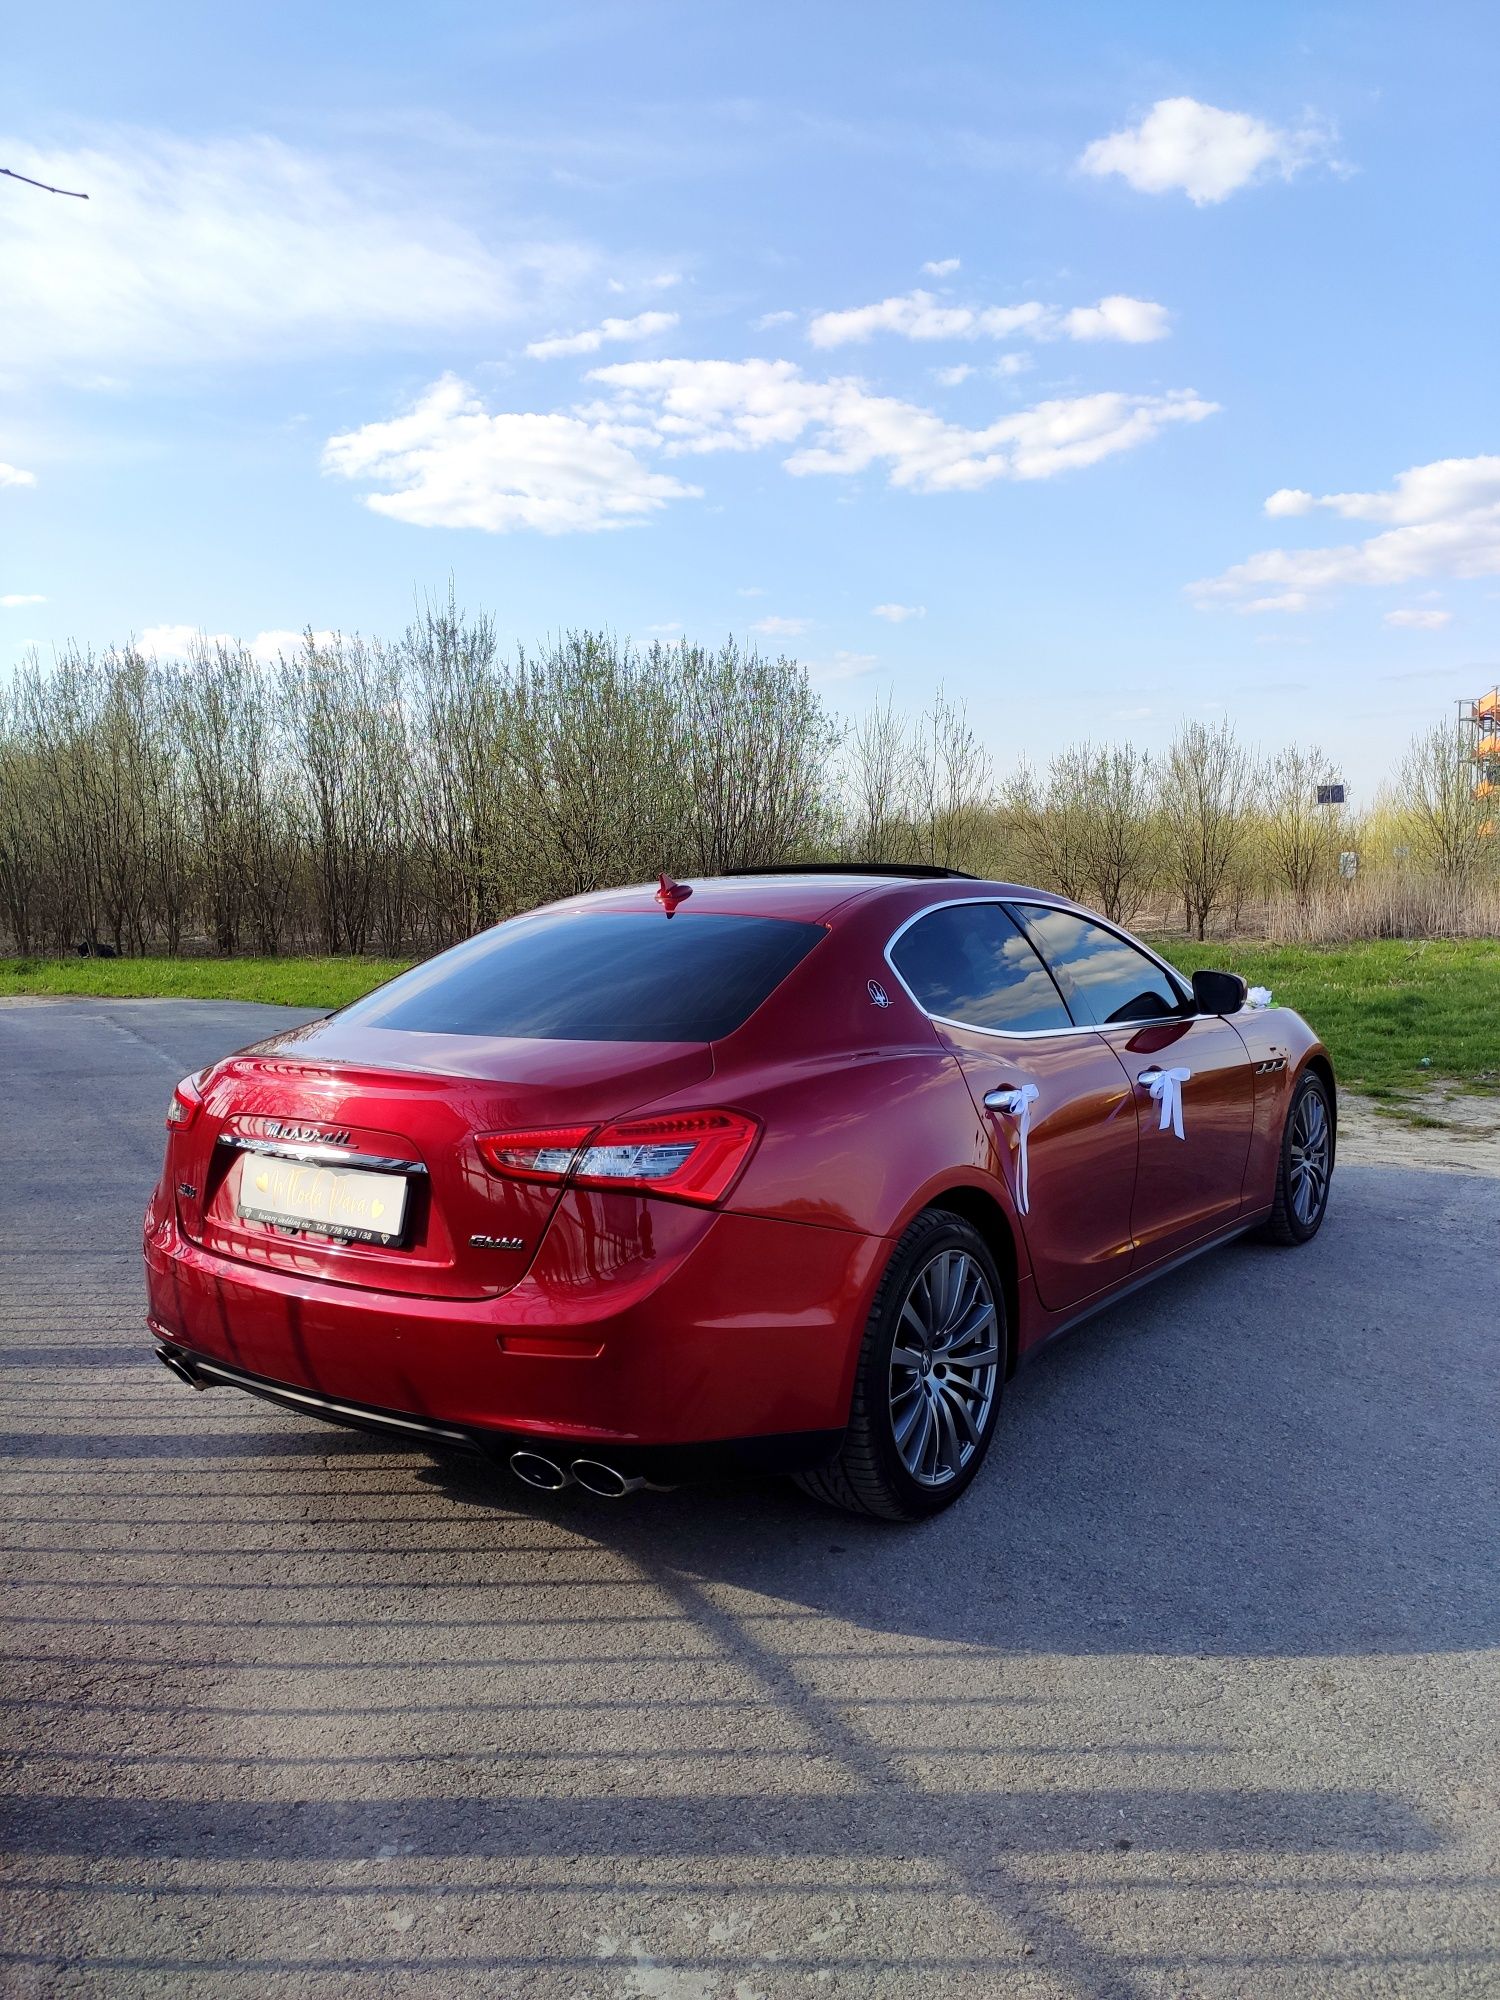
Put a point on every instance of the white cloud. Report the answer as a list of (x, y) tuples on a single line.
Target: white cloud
[(783, 628), (1438, 520), (194, 251), (768, 320), (1013, 364), (940, 267), (1118, 318), (172, 642), (920, 316), (1206, 152), (842, 666), (751, 590), (949, 378), (897, 614), (454, 465), (838, 426), (668, 625), (17, 598), (12, 475), (179, 641), (268, 647), (1419, 621), (662, 281), (176, 642), (642, 327), (449, 462)]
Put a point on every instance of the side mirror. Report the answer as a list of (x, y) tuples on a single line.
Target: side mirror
[(1218, 992)]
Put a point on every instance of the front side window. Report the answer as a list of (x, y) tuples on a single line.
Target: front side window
[(597, 976), (971, 963), (1106, 978)]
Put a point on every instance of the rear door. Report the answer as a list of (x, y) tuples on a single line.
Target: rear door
[(1189, 1185), (1068, 1153)]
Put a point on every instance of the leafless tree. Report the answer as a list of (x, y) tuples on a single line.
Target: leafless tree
[(1437, 799), (1299, 835), (1205, 789)]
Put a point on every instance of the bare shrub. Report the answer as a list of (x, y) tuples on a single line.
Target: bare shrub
[(1206, 785), (1436, 797), (1386, 906)]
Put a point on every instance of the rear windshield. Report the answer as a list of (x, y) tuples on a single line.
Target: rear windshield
[(597, 976)]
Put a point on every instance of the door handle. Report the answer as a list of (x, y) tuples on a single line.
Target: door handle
[(1165, 1086), (1014, 1100)]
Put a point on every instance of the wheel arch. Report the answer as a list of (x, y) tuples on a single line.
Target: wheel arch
[(984, 1213)]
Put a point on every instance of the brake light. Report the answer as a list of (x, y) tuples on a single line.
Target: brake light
[(689, 1155), (187, 1101)]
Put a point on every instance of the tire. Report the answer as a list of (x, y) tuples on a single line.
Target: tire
[(919, 1430), (1304, 1172)]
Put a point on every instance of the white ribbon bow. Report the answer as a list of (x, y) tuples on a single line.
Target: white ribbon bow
[(1165, 1086), (1016, 1102), (1258, 996)]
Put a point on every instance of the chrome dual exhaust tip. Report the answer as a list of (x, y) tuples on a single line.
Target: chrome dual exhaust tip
[(545, 1474), (606, 1482), (179, 1368)]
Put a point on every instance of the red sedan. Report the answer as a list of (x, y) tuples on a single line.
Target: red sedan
[(791, 1169)]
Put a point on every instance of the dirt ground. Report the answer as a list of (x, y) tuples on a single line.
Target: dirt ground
[(1464, 1139)]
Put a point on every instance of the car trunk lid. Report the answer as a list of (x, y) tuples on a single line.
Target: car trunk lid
[(405, 1106)]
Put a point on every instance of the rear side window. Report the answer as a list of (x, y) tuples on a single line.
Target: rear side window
[(1106, 977), (597, 976), (971, 963)]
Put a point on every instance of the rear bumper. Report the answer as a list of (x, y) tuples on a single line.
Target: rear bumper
[(735, 1331), (667, 1464)]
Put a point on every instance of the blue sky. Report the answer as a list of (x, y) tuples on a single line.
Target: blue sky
[(959, 344)]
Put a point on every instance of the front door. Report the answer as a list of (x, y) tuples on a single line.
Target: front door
[(1071, 1171), (1188, 1185), (1194, 1084)]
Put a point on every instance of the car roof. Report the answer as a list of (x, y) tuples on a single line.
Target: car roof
[(810, 898)]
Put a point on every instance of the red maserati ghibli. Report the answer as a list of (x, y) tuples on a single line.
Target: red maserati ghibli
[(790, 1168)]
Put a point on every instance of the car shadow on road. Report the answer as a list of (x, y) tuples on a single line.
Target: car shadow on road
[(1264, 1453)]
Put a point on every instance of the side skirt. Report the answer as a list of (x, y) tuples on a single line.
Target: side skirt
[(1241, 1226)]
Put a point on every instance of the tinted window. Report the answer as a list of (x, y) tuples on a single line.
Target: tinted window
[(1105, 978), (597, 976), (971, 963)]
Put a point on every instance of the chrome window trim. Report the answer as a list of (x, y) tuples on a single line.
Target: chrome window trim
[(1174, 978), (1011, 907), (974, 1027), (323, 1156)]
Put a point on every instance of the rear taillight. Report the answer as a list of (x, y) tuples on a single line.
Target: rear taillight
[(544, 1155), (187, 1101), (689, 1155)]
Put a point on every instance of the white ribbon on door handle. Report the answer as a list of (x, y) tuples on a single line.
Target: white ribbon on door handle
[(1165, 1086), (1016, 1100)]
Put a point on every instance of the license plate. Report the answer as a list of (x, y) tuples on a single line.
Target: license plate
[(335, 1201)]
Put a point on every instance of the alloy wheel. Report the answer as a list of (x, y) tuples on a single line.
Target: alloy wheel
[(945, 1368), (1309, 1162)]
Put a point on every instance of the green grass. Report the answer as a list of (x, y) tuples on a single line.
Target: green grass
[(287, 982), (1395, 1014)]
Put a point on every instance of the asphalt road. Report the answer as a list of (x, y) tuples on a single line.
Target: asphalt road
[(1196, 1693)]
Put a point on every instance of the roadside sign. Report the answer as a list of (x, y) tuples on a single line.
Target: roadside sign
[(1330, 795), (1348, 866)]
